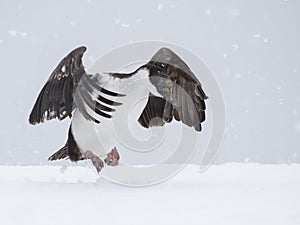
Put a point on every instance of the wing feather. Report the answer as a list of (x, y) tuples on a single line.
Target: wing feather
[(56, 97), (189, 106), (69, 87)]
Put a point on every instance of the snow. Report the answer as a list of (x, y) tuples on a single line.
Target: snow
[(281, 101), (258, 35), (295, 112), (73, 22), (160, 6), (225, 194), (117, 20), (125, 25), (238, 75), (208, 12), (23, 34), (14, 33), (235, 46), (122, 24)]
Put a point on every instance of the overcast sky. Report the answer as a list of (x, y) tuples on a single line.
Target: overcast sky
[(252, 47)]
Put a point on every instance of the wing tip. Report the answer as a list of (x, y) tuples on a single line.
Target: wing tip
[(198, 127), (33, 122), (79, 50), (165, 50)]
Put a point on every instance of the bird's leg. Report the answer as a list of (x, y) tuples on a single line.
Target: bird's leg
[(97, 162), (112, 158)]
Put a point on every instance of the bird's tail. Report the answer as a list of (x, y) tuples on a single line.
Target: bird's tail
[(60, 154)]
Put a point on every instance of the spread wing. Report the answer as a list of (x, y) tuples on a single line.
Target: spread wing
[(188, 104), (68, 87)]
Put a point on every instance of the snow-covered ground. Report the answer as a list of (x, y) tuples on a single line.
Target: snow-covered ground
[(225, 194)]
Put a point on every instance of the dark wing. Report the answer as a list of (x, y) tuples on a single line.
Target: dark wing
[(91, 98), (69, 86), (188, 105), (56, 98)]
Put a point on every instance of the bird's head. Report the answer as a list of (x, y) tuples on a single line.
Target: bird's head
[(160, 77)]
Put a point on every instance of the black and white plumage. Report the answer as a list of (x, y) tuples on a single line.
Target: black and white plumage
[(165, 87)]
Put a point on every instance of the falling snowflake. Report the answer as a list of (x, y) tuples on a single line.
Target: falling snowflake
[(235, 46), (12, 32), (23, 34), (208, 12), (160, 6), (125, 25), (73, 22), (238, 75), (246, 160), (258, 35)]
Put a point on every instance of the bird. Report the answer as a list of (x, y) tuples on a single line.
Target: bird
[(164, 87)]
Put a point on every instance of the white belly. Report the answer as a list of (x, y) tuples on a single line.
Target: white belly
[(102, 137)]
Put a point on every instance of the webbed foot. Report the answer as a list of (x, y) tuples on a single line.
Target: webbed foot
[(97, 162), (112, 158)]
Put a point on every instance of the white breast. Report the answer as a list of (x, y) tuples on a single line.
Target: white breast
[(101, 138)]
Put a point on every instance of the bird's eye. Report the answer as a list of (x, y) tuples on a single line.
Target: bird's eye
[(160, 71), (160, 88)]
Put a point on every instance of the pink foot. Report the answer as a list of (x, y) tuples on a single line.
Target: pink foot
[(112, 158), (97, 162)]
